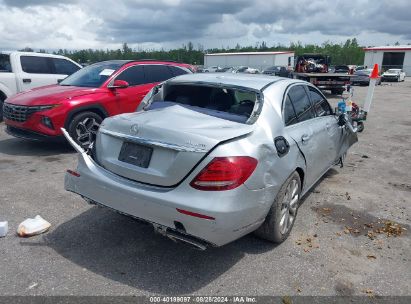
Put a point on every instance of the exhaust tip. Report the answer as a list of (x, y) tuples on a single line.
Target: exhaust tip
[(193, 242)]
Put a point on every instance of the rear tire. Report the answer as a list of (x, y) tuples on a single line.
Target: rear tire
[(83, 128), (281, 217)]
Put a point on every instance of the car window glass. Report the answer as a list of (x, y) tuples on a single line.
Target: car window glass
[(244, 96), (289, 113), (5, 66), (63, 66), (133, 75), (226, 103), (36, 65), (157, 73), (301, 103), (177, 71), (321, 106)]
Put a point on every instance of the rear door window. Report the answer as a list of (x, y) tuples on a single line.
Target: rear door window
[(301, 103), (5, 66), (321, 105), (157, 73), (36, 65), (63, 66), (177, 71), (289, 114), (134, 75)]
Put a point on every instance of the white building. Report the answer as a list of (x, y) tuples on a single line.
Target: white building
[(398, 57), (259, 60)]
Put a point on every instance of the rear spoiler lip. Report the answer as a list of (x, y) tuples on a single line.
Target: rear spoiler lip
[(72, 142), (139, 140)]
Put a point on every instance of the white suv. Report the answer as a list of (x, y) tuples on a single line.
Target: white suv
[(22, 71)]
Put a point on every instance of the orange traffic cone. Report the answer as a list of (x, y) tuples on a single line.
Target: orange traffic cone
[(374, 73)]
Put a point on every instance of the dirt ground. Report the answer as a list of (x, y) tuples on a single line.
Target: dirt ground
[(352, 235)]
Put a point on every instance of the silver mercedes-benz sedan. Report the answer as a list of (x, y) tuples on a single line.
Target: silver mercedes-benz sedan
[(209, 158)]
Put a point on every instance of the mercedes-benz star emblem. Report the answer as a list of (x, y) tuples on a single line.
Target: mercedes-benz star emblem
[(135, 129)]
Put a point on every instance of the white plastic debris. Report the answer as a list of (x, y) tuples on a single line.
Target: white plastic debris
[(33, 226), (4, 228)]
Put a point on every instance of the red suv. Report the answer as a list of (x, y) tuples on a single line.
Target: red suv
[(81, 101)]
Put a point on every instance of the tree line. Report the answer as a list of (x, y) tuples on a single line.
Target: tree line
[(349, 52)]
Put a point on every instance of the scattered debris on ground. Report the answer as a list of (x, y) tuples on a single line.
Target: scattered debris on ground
[(358, 223), (308, 243), (4, 228), (33, 226)]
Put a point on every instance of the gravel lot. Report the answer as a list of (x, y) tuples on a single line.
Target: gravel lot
[(93, 251)]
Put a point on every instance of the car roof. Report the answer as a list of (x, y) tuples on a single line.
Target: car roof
[(255, 82), (156, 61)]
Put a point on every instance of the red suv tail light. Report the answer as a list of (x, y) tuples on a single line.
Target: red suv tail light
[(224, 173)]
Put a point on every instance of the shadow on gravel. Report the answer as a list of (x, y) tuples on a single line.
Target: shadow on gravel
[(127, 251), (20, 147)]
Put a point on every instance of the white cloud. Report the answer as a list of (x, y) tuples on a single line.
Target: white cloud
[(75, 24)]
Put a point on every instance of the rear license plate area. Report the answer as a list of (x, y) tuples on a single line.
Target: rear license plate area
[(135, 154)]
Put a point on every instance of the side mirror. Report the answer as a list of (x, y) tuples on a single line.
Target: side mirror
[(119, 84)]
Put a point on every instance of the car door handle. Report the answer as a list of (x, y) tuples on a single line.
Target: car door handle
[(305, 137), (26, 80)]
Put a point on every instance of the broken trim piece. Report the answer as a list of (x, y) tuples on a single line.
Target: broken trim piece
[(72, 142), (149, 142)]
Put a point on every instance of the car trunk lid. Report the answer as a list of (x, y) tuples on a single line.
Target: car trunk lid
[(161, 146)]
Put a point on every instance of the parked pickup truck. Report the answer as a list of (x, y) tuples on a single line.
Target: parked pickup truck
[(22, 71)]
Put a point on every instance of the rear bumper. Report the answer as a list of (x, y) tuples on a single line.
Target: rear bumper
[(236, 212)]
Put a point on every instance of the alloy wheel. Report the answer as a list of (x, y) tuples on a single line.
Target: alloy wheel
[(289, 206), (86, 131)]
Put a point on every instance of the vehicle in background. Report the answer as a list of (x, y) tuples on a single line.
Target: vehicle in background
[(210, 69), (345, 69), (22, 71), (362, 77), (314, 68), (224, 69), (360, 67), (281, 71), (209, 159), (393, 75), (245, 69), (81, 101)]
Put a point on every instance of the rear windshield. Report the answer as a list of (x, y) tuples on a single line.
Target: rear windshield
[(226, 103)]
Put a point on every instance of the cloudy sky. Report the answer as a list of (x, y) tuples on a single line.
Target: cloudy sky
[(79, 24)]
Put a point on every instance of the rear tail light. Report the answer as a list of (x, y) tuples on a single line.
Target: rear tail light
[(224, 173)]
